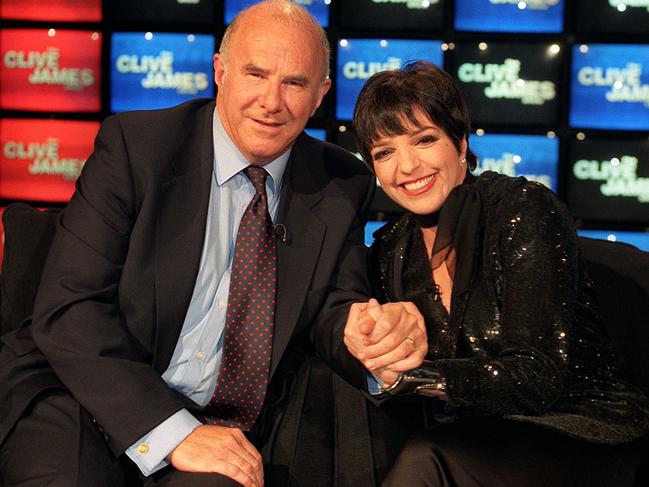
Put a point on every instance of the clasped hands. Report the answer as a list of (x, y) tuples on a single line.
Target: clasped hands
[(386, 338)]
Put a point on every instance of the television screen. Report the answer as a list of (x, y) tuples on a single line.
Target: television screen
[(512, 84), (370, 228), (320, 134), (609, 180), (319, 9), (609, 86), (619, 16), (53, 70), (54, 10), (509, 15), (534, 156), (637, 239), (382, 15), (162, 11), (41, 159), (159, 70), (358, 59)]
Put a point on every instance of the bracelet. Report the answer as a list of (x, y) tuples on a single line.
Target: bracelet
[(392, 386)]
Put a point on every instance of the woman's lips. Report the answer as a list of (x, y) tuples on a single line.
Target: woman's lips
[(418, 186)]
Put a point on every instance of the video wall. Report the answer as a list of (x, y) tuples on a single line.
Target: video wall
[(558, 89)]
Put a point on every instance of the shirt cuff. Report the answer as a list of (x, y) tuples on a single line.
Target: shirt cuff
[(149, 453), (373, 386)]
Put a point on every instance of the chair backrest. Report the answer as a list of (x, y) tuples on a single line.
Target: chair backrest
[(620, 274), (28, 236)]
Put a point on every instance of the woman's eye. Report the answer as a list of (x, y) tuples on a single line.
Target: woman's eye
[(426, 139), (377, 156)]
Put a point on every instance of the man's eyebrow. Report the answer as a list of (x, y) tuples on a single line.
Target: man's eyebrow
[(251, 67), (297, 78)]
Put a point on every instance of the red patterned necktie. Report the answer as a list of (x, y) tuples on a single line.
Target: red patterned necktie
[(247, 344)]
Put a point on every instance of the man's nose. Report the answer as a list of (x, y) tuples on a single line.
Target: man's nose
[(271, 98)]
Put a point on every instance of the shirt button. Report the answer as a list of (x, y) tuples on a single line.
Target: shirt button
[(223, 303), (200, 355), (143, 448)]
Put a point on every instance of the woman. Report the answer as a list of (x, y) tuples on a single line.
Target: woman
[(517, 377)]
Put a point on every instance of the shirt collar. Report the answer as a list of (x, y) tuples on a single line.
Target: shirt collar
[(228, 159)]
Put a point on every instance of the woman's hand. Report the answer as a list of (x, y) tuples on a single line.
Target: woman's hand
[(386, 339)]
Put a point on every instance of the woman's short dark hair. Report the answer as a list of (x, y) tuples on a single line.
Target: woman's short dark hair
[(391, 96)]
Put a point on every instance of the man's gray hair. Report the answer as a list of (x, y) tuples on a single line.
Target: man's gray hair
[(289, 13)]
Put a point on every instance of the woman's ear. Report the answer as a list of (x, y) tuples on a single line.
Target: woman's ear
[(463, 147)]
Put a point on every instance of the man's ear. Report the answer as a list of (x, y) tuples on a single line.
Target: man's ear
[(326, 85), (219, 68)]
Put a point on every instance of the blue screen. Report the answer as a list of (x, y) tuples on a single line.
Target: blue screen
[(358, 59), (534, 156), (319, 9), (156, 70), (317, 133), (609, 86), (370, 228), (637, 239), (509, 15)]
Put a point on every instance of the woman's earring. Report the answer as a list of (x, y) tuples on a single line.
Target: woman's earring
[(463, 161)]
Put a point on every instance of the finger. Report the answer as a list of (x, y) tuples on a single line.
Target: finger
[(394, 349), (412, 361), (366, 323), (407, 330), (232, 471), (392, 315), (252, 455)]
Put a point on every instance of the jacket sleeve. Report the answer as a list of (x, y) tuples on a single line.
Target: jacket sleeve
[(349, 284), (77, 320)]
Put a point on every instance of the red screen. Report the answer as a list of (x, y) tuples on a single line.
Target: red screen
[(50, 70), (41, 159), (60, 10)]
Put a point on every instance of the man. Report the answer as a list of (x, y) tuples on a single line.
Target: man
[(133, 336)]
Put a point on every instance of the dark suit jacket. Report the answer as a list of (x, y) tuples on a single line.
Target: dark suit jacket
[(121, 270)]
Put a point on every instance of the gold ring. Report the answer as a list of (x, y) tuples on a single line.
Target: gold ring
[(412, 342)]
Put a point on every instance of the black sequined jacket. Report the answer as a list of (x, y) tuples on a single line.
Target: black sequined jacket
[(523, 340)]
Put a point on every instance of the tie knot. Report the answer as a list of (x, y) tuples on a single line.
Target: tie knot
[(257, 176)]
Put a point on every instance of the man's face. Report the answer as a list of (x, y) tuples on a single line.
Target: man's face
[(268, 86)]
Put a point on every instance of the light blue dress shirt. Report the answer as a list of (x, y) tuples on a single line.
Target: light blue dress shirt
[(194, 366)]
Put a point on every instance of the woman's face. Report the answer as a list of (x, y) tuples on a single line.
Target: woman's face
[(419, 168)]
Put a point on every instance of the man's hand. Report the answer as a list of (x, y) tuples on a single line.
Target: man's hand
[(217, 449), (388, 338)]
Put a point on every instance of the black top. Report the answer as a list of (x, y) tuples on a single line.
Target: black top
[(523, 340)]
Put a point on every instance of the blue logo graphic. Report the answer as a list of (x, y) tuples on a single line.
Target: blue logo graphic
[(534, 156), (358, 59), (150, 70), (609, 86), (509, 15)]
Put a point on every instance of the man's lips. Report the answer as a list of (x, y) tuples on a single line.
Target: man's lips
[(268, 123), (418, 186)]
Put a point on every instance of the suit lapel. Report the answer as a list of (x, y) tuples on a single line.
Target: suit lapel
[(180, 231), (298, 256)]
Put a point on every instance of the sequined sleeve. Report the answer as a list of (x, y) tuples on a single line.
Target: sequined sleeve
[(519, 336)]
